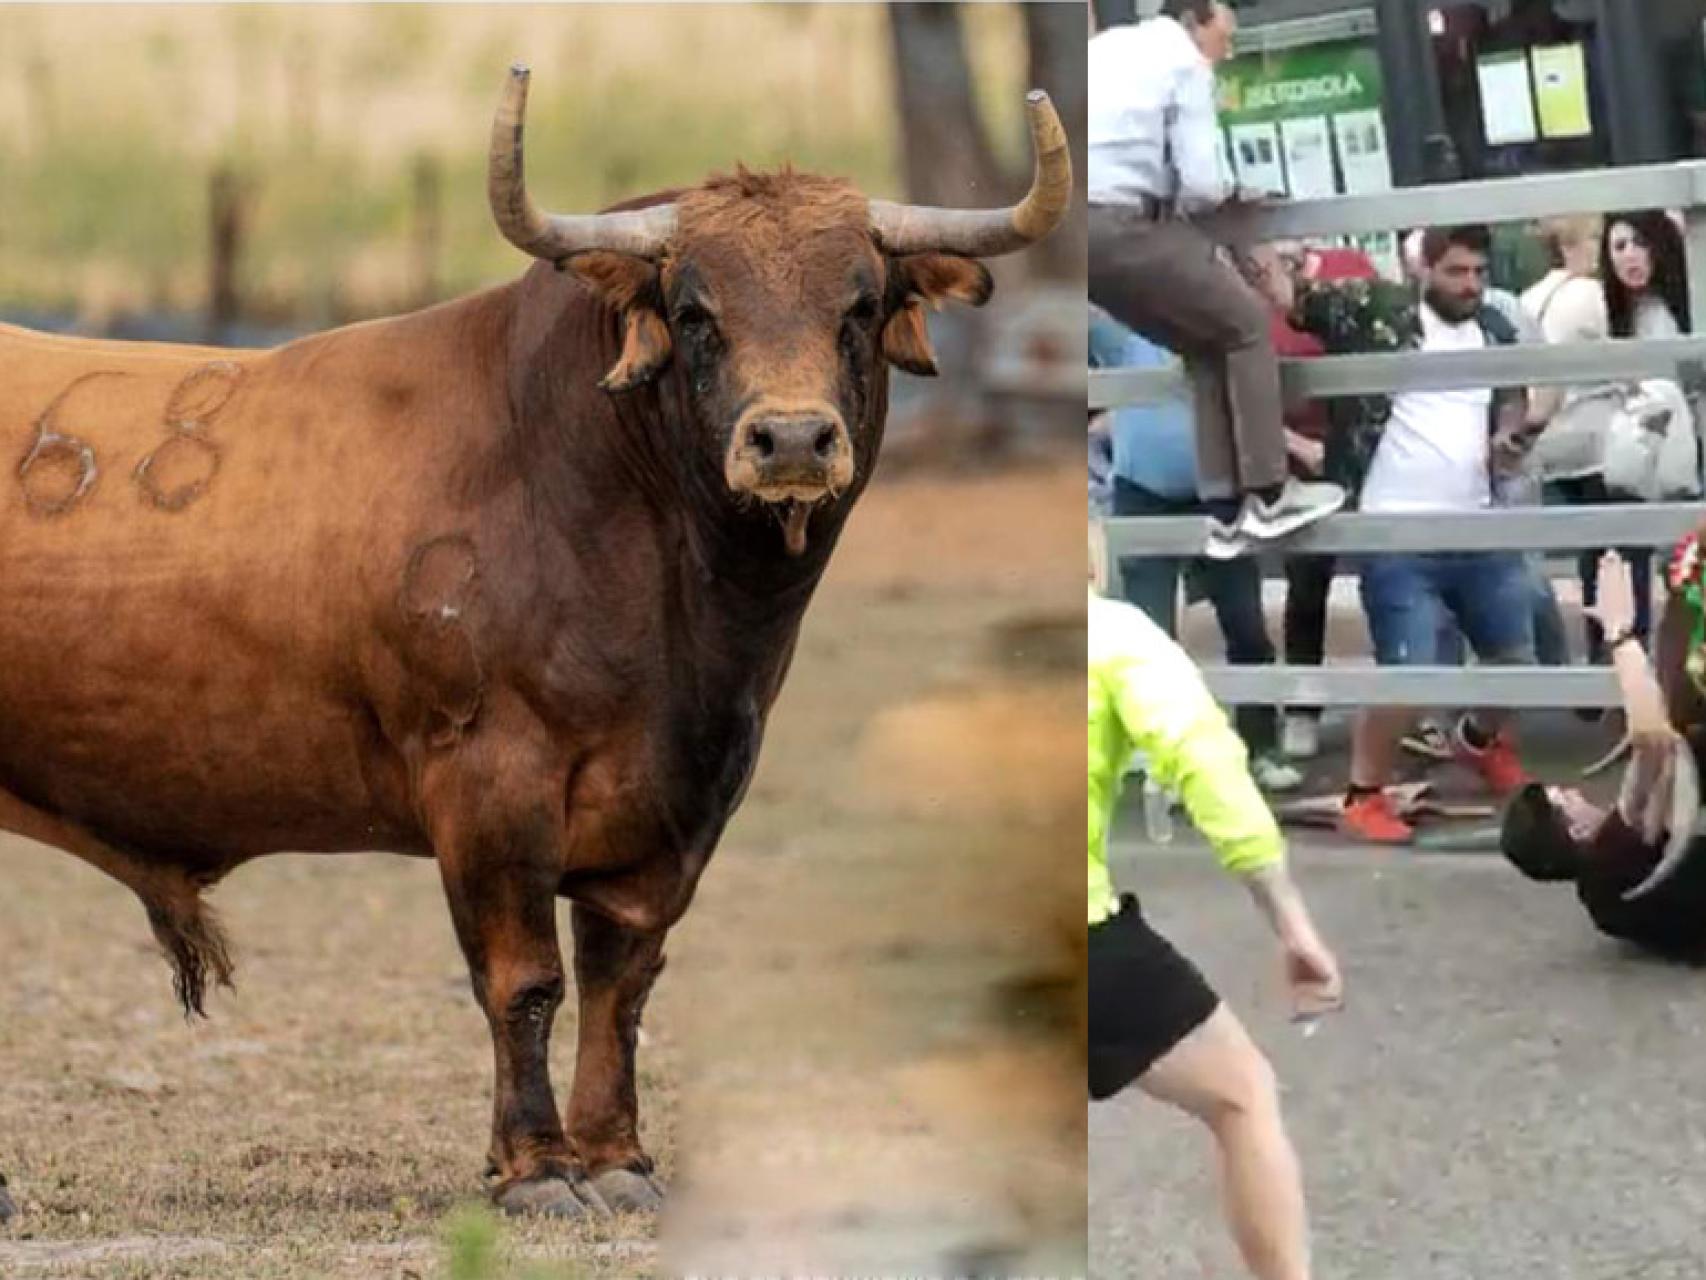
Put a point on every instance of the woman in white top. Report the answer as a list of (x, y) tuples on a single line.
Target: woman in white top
[(1627, 278), (1568, 305)]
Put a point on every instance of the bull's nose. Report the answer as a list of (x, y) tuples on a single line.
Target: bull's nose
[(786, 445), (790, 456)]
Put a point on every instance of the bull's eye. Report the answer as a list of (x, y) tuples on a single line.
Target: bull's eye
[(696, 322), (862, 312)]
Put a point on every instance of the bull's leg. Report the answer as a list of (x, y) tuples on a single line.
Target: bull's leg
[(499, 859), (615, 967)]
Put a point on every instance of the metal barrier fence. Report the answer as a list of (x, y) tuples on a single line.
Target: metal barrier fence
[(1673, 186)]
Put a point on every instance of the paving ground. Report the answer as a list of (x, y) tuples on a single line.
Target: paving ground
[(1508, 1095)]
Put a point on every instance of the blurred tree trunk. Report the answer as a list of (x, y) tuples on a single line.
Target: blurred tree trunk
[(946, 160), (1054, 34), (947, 156), (226, 219)]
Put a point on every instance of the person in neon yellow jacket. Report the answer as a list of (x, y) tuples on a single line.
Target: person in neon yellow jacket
[(1154, 1020)]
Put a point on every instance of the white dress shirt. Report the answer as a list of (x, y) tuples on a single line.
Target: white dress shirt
[(1433, 453), (1153, 128)]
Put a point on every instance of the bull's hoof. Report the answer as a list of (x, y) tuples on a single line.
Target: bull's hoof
[(8, 1210), (628, 1192), (552, 1196)]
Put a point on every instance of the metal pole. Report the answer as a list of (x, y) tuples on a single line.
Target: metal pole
[(1114, 13), (1416, 135), (1634, 83)]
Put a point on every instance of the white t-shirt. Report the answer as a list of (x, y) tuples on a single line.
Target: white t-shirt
[(1432, 455)]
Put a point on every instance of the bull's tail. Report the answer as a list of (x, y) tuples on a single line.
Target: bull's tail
[(195, 946)]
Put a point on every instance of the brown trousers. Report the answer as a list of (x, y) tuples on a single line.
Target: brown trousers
[(1175, 286)]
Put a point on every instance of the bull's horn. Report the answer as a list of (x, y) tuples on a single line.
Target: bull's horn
[(985, 233), (552, 236), (1610, 758)]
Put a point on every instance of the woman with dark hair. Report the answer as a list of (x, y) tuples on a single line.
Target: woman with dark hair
[(1644, 269), (1639, 867), (1643, 272)]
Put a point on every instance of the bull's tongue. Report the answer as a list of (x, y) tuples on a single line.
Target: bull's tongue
[(794, 528)]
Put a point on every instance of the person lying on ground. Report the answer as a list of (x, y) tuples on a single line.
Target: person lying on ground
[(1639, 867)]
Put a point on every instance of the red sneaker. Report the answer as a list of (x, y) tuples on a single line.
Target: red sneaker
[(1370, 819), (1496, 762)]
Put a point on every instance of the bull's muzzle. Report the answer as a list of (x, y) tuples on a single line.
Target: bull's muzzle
[(790, 457)]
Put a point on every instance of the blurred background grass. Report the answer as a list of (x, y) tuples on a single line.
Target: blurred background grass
[(114, 118)]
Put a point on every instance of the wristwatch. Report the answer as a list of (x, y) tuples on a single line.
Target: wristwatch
[(1623, 636)]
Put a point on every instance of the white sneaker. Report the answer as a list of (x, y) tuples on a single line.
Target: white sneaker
[(1297, 506), (1226, 541), (1300, 737), (1271, 773)]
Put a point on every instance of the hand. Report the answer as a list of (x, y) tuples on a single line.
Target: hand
[(1312, 976), (1511, 443), (1615, 610)]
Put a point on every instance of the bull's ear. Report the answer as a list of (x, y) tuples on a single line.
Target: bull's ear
[(630, 285), (928, 278)]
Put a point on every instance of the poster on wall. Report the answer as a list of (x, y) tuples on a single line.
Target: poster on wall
[(1316, 111), (1305, 93), (1361, 137), (1561, 90), (1308, 158), (1256, 154), (1507, 98)]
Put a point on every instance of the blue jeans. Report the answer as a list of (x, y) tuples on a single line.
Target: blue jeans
[(1551, 640), (1408, 598), (1233, 587)]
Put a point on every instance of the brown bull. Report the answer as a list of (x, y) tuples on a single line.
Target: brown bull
[(511, 583)]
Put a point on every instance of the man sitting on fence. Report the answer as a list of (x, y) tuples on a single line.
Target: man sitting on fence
[(1437, 452), (1639, 868), (1154, 163)]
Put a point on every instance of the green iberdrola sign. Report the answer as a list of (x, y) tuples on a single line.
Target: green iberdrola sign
[(1321, 79)]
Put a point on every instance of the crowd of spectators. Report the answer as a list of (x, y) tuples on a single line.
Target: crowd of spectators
[(1615, 277)]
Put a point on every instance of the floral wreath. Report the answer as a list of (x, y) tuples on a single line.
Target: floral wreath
[(1686, 576)]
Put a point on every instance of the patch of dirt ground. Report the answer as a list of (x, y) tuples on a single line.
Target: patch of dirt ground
[(863, 1057)]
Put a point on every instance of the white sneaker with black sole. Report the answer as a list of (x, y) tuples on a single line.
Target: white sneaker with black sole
[(1296, 506), (1226, 541)]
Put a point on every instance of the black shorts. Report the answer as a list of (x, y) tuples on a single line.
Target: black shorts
[(1144, 998)]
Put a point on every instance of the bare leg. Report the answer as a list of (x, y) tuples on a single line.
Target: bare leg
[(1219, 1076), (1374, 744)]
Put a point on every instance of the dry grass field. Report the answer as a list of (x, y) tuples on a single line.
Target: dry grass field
[(112, 117)]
